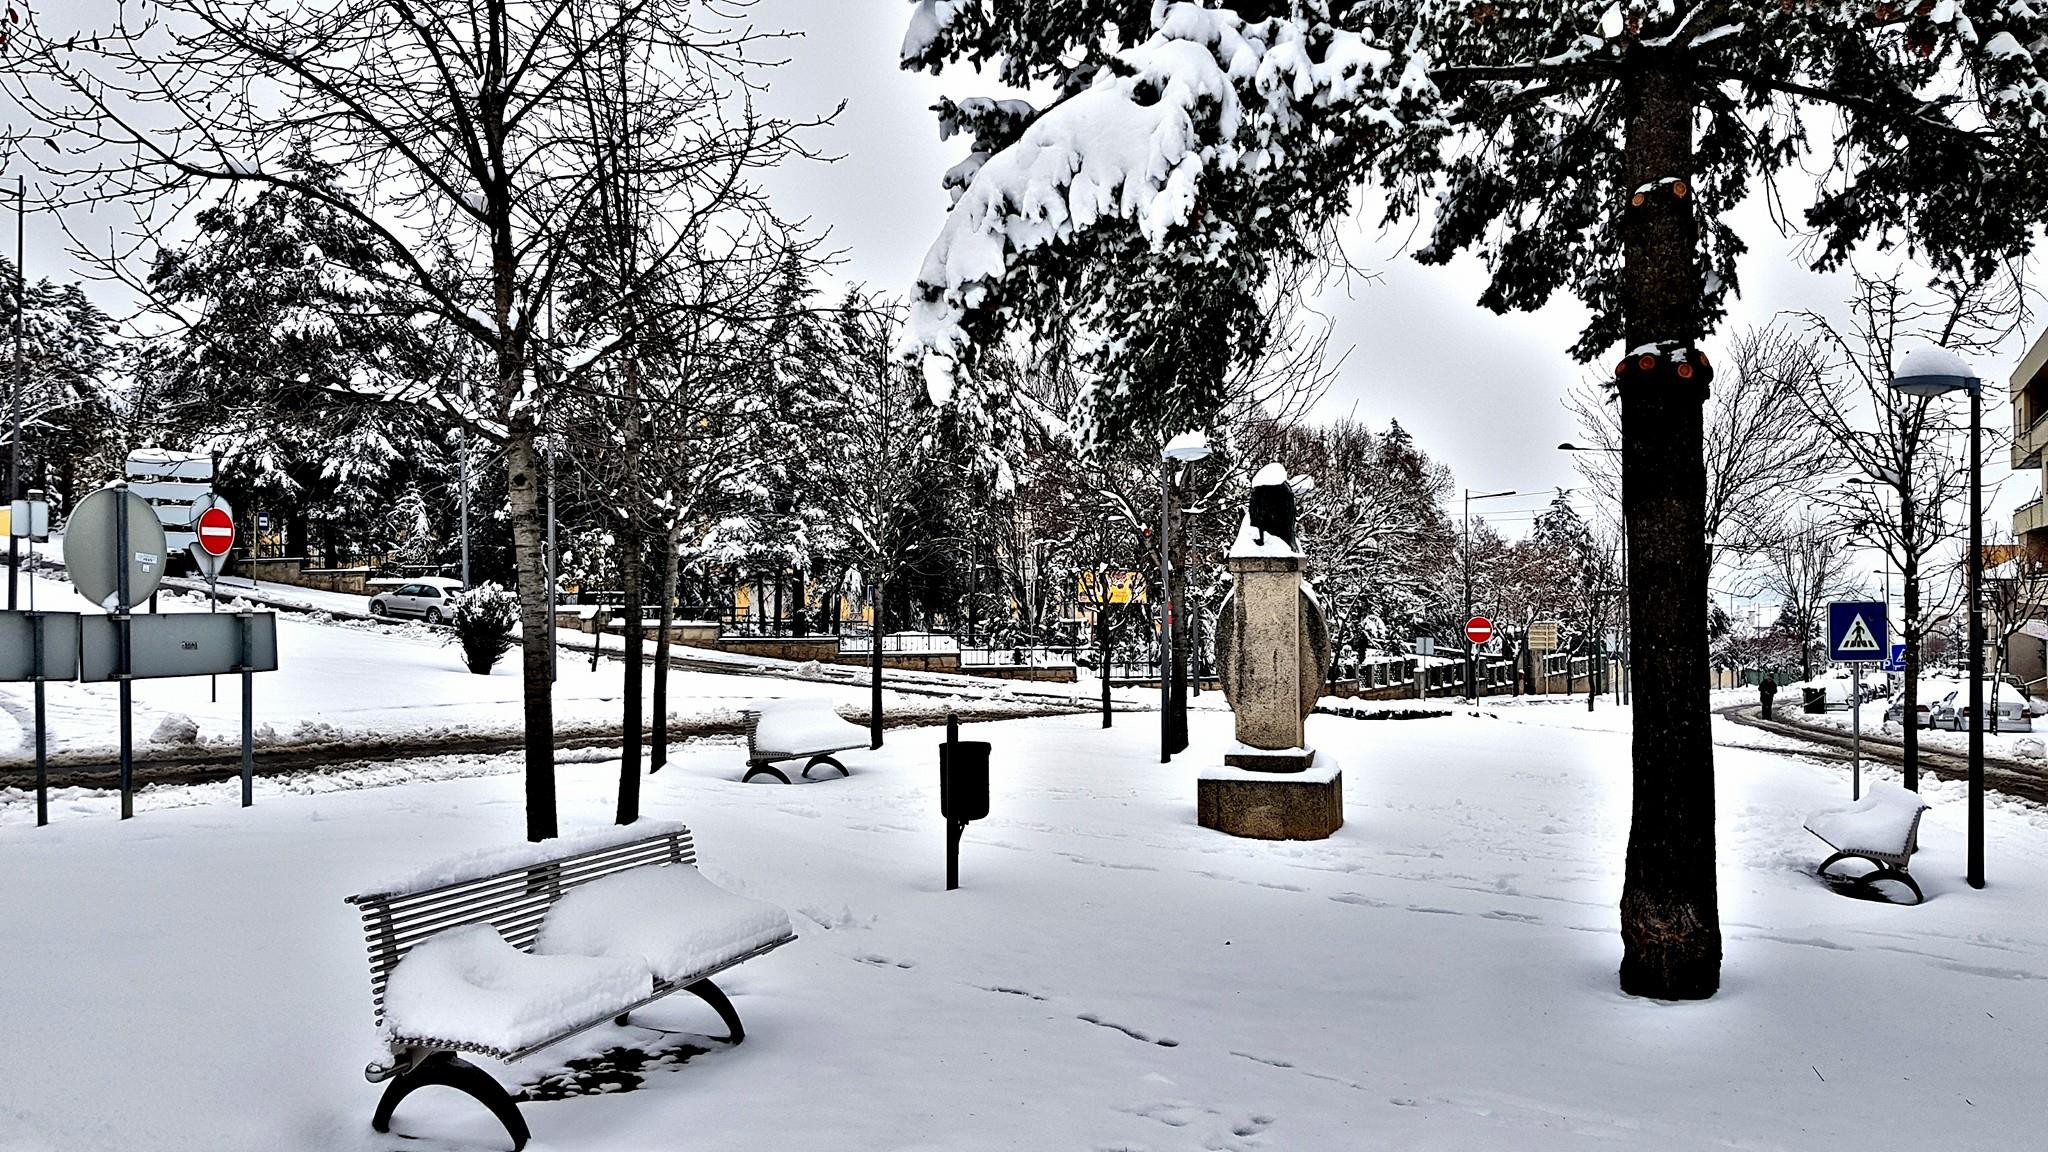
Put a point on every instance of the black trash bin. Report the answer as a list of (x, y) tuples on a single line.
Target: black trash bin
[(1816, 700), (963, 780), (963, 793)]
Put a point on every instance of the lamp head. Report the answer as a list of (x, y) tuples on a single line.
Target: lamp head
[(1934, 371), (1186, 448)]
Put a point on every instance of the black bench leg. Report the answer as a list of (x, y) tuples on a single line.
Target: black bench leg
[(708, 992), (1879, 872), (1822, 871), (763, 768), (822, 758), (452, 1071)]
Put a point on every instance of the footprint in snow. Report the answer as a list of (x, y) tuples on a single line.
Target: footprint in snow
[(883, 961), (1133, 1033)]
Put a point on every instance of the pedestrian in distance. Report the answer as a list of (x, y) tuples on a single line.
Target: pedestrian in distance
[(1767, 689)]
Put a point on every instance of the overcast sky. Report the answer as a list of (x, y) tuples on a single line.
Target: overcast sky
[(1480, 392), (1483, 393)]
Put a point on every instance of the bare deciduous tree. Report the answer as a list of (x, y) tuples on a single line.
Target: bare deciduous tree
[(1761, 442), (1806, 565), (465, 140), (1905, 452)]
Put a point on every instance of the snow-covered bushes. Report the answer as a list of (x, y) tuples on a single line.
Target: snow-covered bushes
[(483, 622)]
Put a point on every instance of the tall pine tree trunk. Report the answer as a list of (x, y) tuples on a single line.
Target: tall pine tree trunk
[(1670, 918)]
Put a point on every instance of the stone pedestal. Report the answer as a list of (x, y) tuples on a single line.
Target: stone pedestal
[(1259, 646), (1303, 805), (1271, 650)]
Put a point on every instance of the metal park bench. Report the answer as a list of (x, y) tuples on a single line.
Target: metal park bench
[(808, 730), (1883, 828), (505, 953)]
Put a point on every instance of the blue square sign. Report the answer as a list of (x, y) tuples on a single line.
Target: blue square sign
[(1856, 631)]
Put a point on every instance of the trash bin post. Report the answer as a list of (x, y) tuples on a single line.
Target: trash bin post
[(963, 790)]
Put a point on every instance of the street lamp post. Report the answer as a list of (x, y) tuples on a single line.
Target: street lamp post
[(1180, 451), (1471, 649), (1929, 372), (14, 532)]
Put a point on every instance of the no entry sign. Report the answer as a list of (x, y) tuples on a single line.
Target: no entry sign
[(213, 534), (1479, 630), (216, 531)]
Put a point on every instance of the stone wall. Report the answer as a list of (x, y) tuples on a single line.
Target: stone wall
[(824, 649)]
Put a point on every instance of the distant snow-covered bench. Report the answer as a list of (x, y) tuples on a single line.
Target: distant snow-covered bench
[(797, 730), (1883, 828), (505, 953)]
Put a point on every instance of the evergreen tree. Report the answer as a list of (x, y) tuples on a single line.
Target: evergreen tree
[(1591, 145), (72, 408)]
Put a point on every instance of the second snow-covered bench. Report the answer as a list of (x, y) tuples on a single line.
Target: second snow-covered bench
[(504, 953), (809, 730), (1883, 828)]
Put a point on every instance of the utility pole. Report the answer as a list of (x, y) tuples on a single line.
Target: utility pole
[(1471, 649)]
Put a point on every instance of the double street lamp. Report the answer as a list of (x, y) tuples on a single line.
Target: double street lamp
[(1926, 373)]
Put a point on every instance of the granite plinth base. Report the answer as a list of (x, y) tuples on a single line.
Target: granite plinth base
[(1270, 760), (1269, 805)]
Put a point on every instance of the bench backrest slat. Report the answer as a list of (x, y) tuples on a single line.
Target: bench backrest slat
[(515, 902)]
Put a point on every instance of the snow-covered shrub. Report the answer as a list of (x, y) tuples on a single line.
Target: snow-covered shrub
[(483, 619)]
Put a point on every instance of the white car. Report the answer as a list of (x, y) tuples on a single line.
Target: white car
[(2014, 712), (427, 598)]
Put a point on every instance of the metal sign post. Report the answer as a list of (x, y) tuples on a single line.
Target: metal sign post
[(1856, 633), (213, 534), (1856, 730), (245, 620), (124, 626), (35, 658), (50, 642)]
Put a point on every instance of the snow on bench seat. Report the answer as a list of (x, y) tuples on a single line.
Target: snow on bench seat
[(796, 730), (1883, 828), (468, 986), (670, 921), (802, 728), (1883, 825)]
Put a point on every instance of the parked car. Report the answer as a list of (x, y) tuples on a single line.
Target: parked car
[(427, 598), (2013, 712), (1922, 714)]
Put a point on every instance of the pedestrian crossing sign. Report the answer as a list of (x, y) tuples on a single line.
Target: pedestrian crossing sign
[(1856, 631)]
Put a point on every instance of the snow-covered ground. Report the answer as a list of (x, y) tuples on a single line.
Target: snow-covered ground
[(341, 680), (1440, 975)]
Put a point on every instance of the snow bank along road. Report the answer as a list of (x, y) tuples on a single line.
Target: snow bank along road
[(348, 690), (1438, 976), (2013, 777)]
